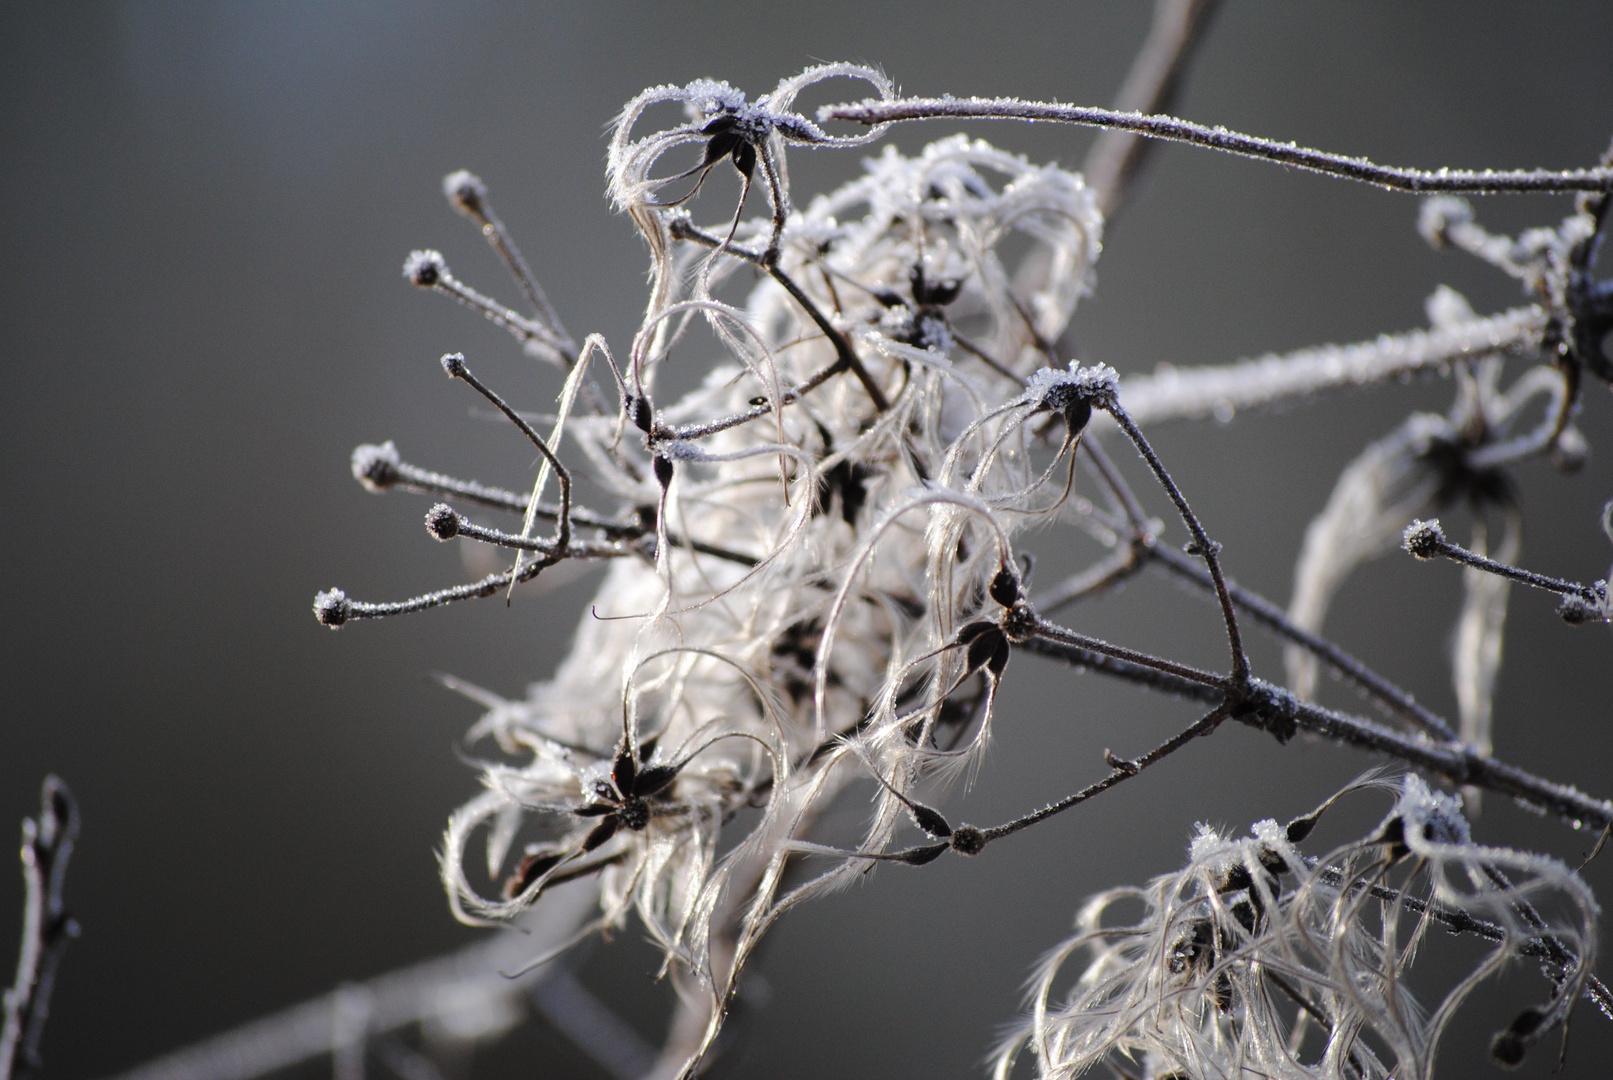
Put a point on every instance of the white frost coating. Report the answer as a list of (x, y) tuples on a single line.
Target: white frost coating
[(1209, 981), (758, 691), (1195, 393)]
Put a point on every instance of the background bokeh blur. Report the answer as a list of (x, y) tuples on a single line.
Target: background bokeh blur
[(203, 208)]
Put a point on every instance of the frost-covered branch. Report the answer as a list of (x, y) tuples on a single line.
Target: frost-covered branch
[(1419, 181), (1219, 390)]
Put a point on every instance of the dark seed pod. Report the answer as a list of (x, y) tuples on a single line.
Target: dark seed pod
[(531, 869), (624, 771), (1300, 828), (654, 780), (745, 159), (601, 834), (930, 820), (983, 649), (1005, 587), (642, 412), (663, 471), (920, 856)]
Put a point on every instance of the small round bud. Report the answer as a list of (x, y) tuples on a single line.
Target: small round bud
[(454, 364), (332, 608), (968, 840), (663, 470), (465, 192), (1575, 610), (425, 268), (376, 467), (1424, 539), (442, 522)]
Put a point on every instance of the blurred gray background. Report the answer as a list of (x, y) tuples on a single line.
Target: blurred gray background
[(203, 208)]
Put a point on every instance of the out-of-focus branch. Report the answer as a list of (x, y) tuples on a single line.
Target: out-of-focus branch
[(1151, 86), (47, 845), (1194, 393), (466, 993)]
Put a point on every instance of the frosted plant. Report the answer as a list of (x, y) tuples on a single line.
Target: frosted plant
[(796, 575), (816, 580)]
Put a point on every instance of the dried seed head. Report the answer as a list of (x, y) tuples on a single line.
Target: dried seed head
[(1424, 539), (441, 522), (465, 192), (332, 608), (376, 467), (425, 268)]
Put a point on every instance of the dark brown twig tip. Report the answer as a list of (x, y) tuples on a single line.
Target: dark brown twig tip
[(1424, 539), (425, 268), (465, 192), (332, 608), (376, 467), (441, 522)]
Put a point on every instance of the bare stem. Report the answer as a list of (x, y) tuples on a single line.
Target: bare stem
[(1151, 87), (1425, 540), (1053, 632), (1276, 619), (1207, 549), (1123, 772), (454, 364), (47, 845)]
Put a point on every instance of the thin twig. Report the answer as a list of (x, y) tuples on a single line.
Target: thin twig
[(1426, 540), (454, 364), (378, 468), (1116, 158), (683, 229), (1125, 771), (1456, 763), (1171, 129), (1041, 628), (1208, 550), (47, 845)]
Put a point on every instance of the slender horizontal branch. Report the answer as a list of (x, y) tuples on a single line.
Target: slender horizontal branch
[(1122, 771), (1172, 129), (1053, 632), (1456, 763), (1458, 921), (1146, 677), (1426, 540)]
